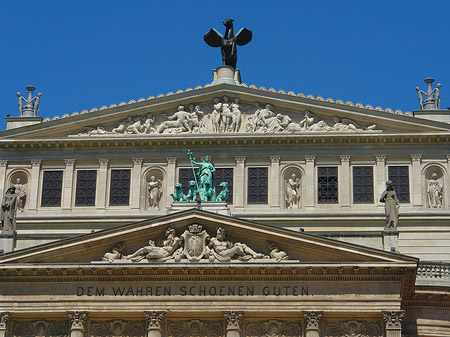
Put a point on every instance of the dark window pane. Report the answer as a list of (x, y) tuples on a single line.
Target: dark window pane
[(257, 185), (186, 176), (327, 190), (399, 175), (362, 184), (86, 185), (120, 188), (51, 188)]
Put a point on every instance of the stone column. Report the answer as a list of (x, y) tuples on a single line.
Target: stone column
[(310, 182), (102, 182), (154, 322), (344, 182), (416, 178), (171, 179), (393, 322), (34, 185), (445, 201), (3, 164), (68, 184), (4, 318), (233, 323), (380, 177), (239, 183), (135, 188), (274, 182), (77, 320), (312, 323)]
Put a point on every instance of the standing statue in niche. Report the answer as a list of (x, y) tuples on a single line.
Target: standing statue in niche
[(391, 205), (434, 192), (21, 195), (8, 210), (154, 192), (228, 42), (293, 192)]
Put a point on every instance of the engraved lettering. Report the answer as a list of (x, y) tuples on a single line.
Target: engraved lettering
[(130, 291), (148, 291), (99, 291), (212, 291), (167, 291), (118, 291), (266, 291), (183, 290), (80, 291)]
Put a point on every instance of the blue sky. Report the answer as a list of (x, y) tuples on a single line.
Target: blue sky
[(85, 54)]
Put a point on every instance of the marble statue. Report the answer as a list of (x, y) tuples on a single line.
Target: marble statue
[(152, 252), (420, 94), (225, 119), (224, 250), (8, 210), (236, 116), (433, 96), (178, 122), (204, 178), (31, 107), (276, 253), (434, 192), (115, 254), (223, 195), (391, 205), (228, 42), (216, 115), (292, 192), (21, 194), (154, 192)]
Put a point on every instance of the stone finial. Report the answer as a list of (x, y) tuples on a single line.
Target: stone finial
[(29, 107), (433, 96), (393, 319), (312, 319)]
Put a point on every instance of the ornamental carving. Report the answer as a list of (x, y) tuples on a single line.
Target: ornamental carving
[(40, 328), (4, 318), (225, 115), (77, 319), (112, 328), (393, 319), (312, 319), (233, 320), (352, 328), (195, 327), (194, 245), (273, 328)]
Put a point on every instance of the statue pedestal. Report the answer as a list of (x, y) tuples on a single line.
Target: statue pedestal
[(18, 122), (226, 74), (390, 239), (7, 242), (434, 115), (210, 206)]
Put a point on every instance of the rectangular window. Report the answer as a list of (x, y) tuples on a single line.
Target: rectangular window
[(86, 187), (51, 188), (399, 175), (362, 184), (327, 189), (119, 194), (185, 176), (257, 185)]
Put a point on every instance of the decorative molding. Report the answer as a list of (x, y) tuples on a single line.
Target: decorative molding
[(345, 158), (118, 327), (272, 328), (239, 159), (393, 319), (154, 319), (103, 161), (36, 162), (352, 328), (380, 158), (416, 157), (137, 161), (310, 158), (195, 327), (77, 319), (233, 319), (448, 157), (171, 160), (69, 161), (41, 328), (3, 163), (312, 319), (274, 159), (4, 318)]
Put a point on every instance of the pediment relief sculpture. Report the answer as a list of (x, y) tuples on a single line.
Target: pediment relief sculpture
[(194, 245), (225, 115)]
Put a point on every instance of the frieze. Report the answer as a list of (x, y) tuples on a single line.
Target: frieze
[(226, 115), (273, 328), (110, 328), (195, 327), (352, 328), (48, 328)]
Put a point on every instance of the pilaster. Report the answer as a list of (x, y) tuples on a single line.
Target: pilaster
[(154, 322), (171, 178), (310, 181), (233, 323), (135, 187), (77, 323), (3, 165), (34, 185), (274, 182), (239, 184), (380, 177), (312, 323), (4, 318), (68, 184), (344, 181), (102, 182), (416, 180), (393, 322)]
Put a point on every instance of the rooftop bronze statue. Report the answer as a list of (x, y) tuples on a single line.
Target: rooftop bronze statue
[(228, 42)]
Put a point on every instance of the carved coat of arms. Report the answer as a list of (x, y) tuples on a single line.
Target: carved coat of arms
[(195, 242)]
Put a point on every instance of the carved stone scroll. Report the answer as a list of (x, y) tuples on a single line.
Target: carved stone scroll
[(4, 318), (112, 328), (273, 328), (40, 328), (352, 328)]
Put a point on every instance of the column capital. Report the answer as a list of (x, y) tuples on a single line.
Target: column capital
[(345, 158), (36, 162), (274, 159), (77, 319), (310, 158), (3, 163), (416, 157), (137, 161), (233, 319), (4, 318), (154, 318), (103, 161), (312, 319), (239, 159), (393, 319), (380, 157), (171, 160), (69, 161)]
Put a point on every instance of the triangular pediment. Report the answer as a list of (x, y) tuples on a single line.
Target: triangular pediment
[(287, 116), (199, 242)]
